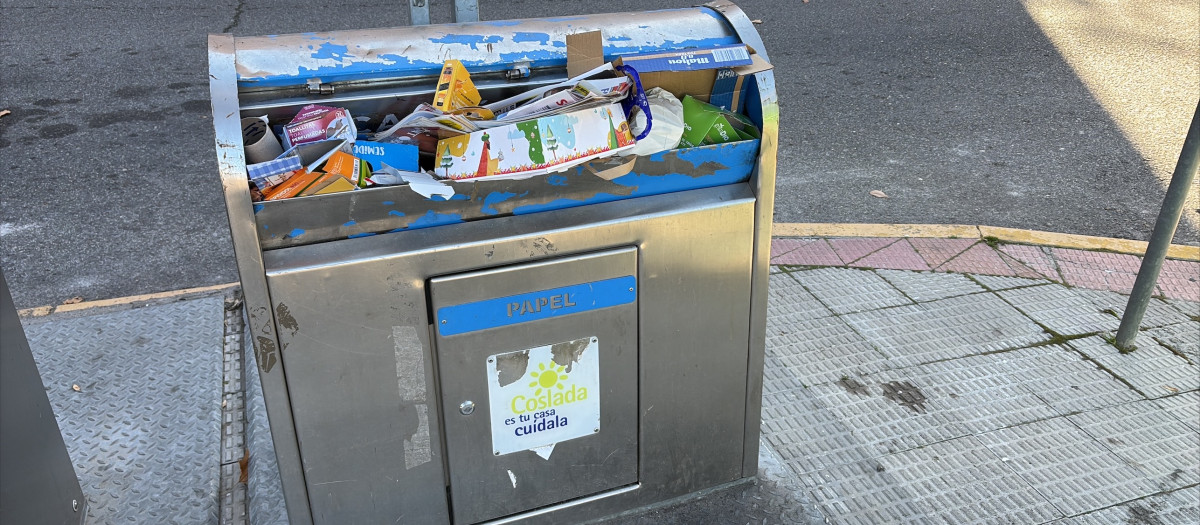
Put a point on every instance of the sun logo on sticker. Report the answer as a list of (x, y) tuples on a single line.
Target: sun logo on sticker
[(547, 378)]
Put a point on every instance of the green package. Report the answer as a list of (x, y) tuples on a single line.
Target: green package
[(705, 124)]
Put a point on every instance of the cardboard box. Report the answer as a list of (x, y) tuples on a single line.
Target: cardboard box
[(327, 183), (535, 147), (403, 157), (352, 168), (715, 75)]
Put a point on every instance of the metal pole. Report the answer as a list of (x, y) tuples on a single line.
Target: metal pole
[(418, 11), (1160, 238), (466, 10)]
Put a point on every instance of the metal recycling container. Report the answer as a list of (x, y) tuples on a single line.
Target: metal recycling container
[(543, 350)]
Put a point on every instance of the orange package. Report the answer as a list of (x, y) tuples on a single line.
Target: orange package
[(292, 187)]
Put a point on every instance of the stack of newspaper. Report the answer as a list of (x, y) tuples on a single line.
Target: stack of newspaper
[(581, 92)]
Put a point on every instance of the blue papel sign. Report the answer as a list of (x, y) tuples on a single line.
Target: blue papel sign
[(533, 306)]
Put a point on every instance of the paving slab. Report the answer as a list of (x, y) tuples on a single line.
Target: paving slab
[(887, 417), (788, 300), (930, 286), (1064, 464), (806, 435), (1000, 282), (1151, 369), (1065, 380), (961, 481), (1174, 508), (1184, 406), (1061, 309), (1163, 448), (1182, 338), (977, 392), (144, 428), (845, 290), (1158, 312), (945, 329), (865, 493), (823, 350)]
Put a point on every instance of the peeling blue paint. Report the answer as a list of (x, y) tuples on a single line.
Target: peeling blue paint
[(472, 40), (620, 38), (296, 233), (460, 197), (433, 218), (493, 198), (503, 23), (334, 51), (389, 203), (556, 180), (258, 208), (349, 224), (522, 36), (396, 213)]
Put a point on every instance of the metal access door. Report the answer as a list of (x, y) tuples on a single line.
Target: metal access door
[(538, 371)]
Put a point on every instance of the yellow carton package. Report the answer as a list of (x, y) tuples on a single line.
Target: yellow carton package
[(455, 89)]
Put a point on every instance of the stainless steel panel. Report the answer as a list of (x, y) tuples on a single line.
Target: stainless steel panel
[(346, 300), (231, 162), (485, 484), (37, 481)]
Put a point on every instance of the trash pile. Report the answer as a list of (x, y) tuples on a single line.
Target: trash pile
[(635, 105)]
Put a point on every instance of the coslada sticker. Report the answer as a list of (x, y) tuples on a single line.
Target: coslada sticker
[(544, 395)]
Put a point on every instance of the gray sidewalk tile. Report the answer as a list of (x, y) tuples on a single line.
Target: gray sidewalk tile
[(823, 350), (961, 481), (977, 393), (945, 329), (144, 429), (845, 290), (806, 435), (1182, 338), (776, 377), (1158, 312), (1184, 406), (1062, 378), (864, 493), (888, 417), (1060, 309), (1163, 448), (1189, 308), (787, 299), (1173, 508), (1151, 369), (1067, 466), (930, 286), (999, 282)]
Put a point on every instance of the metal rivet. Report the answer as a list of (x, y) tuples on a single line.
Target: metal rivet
[(595, 430), (631, 289), (75, 505), (443, 321), (466, 407), (496, 452)]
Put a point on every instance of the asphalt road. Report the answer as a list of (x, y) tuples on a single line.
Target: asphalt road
[(961, 112)]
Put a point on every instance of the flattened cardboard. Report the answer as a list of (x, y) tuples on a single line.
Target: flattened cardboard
[(585, 52)]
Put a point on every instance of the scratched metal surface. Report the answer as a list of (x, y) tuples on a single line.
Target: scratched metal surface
[(295, 222), (144, 428), (369, 54)]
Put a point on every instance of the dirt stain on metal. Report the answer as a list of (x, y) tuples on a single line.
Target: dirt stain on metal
[(264, 353), (854, 387), (568, 353), (906, 394), (284, 316), (511, 367)]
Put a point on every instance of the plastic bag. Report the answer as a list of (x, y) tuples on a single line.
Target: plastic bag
[(667, 116)]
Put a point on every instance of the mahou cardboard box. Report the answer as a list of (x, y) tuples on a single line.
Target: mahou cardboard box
[(537, 146)]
